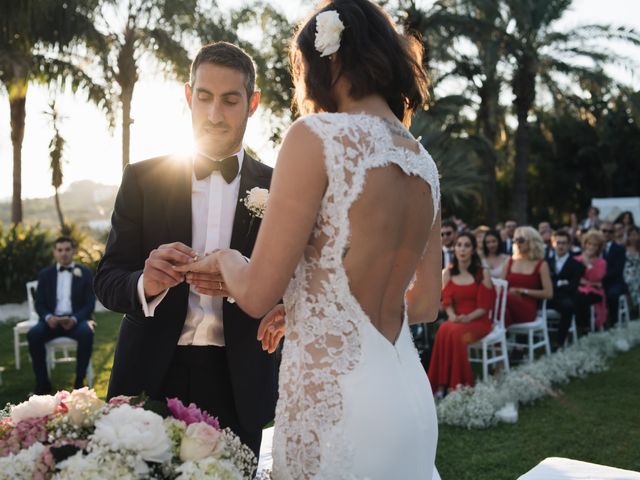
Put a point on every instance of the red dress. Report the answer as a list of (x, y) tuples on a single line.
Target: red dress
[(522, 308), (449, 361)]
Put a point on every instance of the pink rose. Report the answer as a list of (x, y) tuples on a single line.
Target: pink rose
[(191, 414)]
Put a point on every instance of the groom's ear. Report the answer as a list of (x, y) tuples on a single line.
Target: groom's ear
[(187, 93), (254, 101)]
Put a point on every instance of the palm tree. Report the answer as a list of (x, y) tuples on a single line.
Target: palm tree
[(138, 29), (542, 55), (476, 21), (37, 40), (56, 151)]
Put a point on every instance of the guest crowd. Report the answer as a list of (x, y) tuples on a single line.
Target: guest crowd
[(582, 270)]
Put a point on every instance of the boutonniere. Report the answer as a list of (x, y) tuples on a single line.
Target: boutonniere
[(256, 201), (77, 272)]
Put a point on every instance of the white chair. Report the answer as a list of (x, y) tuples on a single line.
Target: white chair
[(553, 318), (22, 328), (536, 331), (624, 317), (63, 345), (492, 349)]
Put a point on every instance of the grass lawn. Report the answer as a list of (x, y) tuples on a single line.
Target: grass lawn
[(596, 419)]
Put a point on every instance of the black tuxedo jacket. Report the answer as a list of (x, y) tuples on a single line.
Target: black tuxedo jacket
[(616, 258), (572, 271), (153, 207), (83, 300)]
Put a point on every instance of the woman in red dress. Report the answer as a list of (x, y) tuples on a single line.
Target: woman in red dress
[(467, 297), (528, 276)]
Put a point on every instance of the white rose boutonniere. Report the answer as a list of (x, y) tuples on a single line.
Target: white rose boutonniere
[(77, 272), (256, 201), (329, 29)]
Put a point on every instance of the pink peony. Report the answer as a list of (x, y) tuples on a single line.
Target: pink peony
[(191, 414)]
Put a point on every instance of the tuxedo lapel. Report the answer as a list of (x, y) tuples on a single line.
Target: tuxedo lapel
[(178, 201), (53, 291), (242, 219)]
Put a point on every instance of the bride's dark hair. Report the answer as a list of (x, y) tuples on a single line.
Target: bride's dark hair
[(373, 57)]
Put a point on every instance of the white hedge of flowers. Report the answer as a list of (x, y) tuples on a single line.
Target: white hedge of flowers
[(476, 407)]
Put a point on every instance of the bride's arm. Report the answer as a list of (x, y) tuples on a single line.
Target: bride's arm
[(423, 296), (298, 184)]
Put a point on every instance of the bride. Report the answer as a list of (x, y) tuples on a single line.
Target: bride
[(351, 240)]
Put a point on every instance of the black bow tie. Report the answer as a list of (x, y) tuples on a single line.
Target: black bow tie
[(203, 166), (65, 269)]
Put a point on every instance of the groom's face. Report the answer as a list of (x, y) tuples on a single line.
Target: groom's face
[(220, 108)]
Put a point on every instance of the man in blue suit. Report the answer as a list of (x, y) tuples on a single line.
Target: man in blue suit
[(613, 281), (64, 302)]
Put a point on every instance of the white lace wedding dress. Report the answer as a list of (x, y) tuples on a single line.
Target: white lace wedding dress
[(352, 404)]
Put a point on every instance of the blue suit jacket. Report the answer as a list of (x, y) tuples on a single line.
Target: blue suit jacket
[(83, 300), (616, 258)]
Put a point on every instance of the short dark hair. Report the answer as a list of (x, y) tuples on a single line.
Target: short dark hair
[(449, 224), (227, 55), (492, 233), (373, 57), (65, 239), (562, 233)]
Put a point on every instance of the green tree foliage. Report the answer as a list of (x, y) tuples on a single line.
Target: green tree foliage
[(39, 41)]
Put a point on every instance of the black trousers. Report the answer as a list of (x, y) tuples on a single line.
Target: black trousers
[(565, 306), (41, 333), (200, 375), (583, 303)]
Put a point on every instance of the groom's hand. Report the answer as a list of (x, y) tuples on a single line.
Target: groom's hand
[(158, 272)]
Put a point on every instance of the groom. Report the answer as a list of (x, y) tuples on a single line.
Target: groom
[(174, 341)]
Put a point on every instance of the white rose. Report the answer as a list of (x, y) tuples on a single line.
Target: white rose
[(77, 272), (329, 29), (37, 406), (200, 441), (82, 404), (256, 201), (136, 430)]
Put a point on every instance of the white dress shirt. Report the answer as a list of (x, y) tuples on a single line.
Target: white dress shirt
[(213, 208), (64, 306), (560, 261)]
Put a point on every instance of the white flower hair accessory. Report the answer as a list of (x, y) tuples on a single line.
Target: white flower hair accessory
[(329, 29)]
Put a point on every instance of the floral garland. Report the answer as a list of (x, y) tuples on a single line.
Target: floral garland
[(75, 435), (480, 406)]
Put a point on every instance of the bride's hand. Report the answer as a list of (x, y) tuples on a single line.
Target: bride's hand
[(271, 328)]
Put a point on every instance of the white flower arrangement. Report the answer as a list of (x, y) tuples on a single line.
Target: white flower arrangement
[(496, 399), (37, 406), (256, 201), (329, 30), (21, 465), (77, 272)]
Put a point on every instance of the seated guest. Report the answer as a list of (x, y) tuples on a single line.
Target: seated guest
[(493, 259), (545, 231), (479, 232), (613, 281), (507, 236), (528, 277), (619, 233), (632, 265), (64, 302), (565, 277), (590, 291), (626, 219), (448, 232), (467, 297)]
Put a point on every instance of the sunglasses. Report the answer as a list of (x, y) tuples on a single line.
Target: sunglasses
[(520, 240), (606, 230)]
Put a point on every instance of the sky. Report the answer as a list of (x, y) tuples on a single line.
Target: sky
[(161, 117)]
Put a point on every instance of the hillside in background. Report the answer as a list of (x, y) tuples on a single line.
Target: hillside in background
[(86, 203)]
